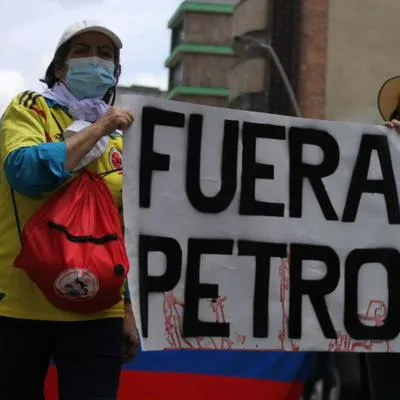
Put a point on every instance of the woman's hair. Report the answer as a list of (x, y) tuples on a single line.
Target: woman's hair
[(59, 60)]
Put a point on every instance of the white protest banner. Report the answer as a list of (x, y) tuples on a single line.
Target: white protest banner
[(255, 231)]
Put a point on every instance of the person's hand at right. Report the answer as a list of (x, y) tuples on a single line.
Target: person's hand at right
[(115, 118), (393, 124)]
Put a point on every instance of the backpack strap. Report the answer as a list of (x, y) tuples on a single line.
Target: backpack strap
[(104, 174), (57, 122), (17, 220)]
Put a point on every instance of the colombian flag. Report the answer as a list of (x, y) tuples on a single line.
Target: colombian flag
[(209, 375)]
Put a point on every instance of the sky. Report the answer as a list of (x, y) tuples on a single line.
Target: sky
[(30, 31)]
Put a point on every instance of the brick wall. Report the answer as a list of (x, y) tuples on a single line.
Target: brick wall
[(313, 58)]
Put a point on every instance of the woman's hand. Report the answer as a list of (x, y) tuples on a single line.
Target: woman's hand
[(393, 124), (79, 144), (115, 118), (131, 336)]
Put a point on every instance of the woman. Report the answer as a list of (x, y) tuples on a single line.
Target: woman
[(44, 138)]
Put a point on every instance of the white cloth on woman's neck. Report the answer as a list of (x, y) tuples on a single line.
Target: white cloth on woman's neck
[(89, 110)]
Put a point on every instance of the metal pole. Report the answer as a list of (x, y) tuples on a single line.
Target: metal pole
[(249, 41), (284, 77)]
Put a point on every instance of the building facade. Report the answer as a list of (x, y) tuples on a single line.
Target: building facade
[(288, 26), (201, 53), (336, 53)]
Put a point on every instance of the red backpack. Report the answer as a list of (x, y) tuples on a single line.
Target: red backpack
[(73, 248)]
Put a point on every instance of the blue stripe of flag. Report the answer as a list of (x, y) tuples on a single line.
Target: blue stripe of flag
[(275, 366)]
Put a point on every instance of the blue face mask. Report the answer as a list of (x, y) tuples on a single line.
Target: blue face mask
[(90, 77)]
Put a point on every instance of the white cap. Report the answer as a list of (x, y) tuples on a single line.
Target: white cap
[(88, 26)]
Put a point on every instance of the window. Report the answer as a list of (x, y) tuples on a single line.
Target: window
[(175, 76), (178, 36)]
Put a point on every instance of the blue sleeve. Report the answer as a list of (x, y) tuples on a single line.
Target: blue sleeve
[(32, 171)]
